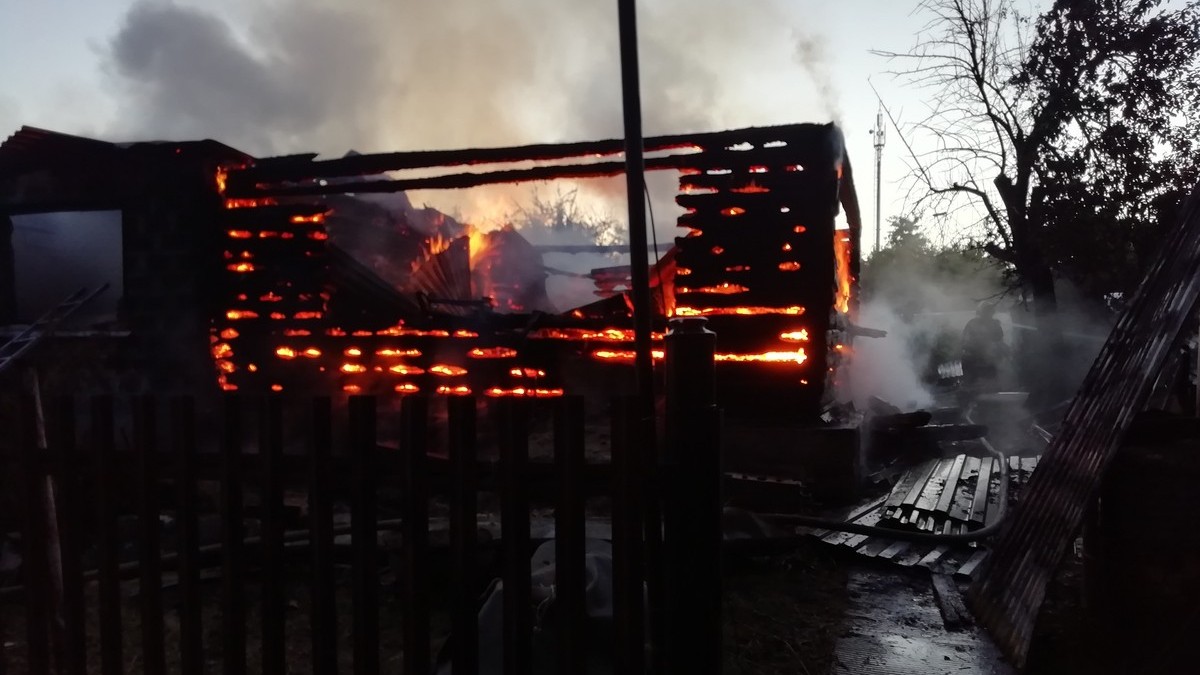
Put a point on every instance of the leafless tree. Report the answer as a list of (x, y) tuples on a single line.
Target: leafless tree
[(976, 152)]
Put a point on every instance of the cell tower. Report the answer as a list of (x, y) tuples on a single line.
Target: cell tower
[(878, 134)]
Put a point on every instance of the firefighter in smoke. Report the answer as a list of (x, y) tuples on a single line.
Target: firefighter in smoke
[(982, 349)]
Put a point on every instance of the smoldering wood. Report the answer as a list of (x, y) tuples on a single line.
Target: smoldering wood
[(300, 167)]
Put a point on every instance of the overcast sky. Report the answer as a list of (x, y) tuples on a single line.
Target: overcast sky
[(284, 76)]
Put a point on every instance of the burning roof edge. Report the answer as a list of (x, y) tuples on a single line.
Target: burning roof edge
[(42, 170)]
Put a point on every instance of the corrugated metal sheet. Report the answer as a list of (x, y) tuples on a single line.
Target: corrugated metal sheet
[(1009, 592)]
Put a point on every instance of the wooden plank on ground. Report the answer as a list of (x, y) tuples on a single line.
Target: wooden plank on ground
[(954, 612), (933, 487), (982, 488), (951, 488), (960, 506)]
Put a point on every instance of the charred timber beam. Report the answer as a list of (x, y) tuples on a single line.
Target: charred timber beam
[(301, 167), (453, 181)]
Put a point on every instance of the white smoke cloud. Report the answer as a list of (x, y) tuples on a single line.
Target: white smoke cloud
[(887, 367)]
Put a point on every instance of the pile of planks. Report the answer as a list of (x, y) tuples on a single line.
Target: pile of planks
[(954, 495)]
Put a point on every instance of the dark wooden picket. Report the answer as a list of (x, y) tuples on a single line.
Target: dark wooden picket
[(156, 472)]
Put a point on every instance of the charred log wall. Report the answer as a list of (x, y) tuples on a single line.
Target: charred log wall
[(759, 262)]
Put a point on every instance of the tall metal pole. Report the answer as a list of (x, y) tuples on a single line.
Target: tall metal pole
[(635, 186), (879, 138), (639, 260)]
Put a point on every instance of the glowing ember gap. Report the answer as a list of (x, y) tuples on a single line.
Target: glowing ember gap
[(743, 311), (392, 353), (625, 355), (720, 289), (797, 357), (497, 392), (492, 353)]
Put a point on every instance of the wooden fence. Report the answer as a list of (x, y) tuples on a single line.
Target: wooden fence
[(83, 492)]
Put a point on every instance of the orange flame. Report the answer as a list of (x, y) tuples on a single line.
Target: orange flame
[(795, 335), (492, 353), (522, 391), (719, 289), (789, 266), (407, 388), (742, 311), (841, 250), (402, 369), (236, 314), (454, 391), (797, 357), (353, 368), (448, 371), (397, 352), (611, 355)]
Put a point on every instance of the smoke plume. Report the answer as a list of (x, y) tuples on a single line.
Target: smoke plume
[(325, 76)]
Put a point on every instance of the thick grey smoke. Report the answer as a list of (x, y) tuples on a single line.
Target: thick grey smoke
[(327, 76)]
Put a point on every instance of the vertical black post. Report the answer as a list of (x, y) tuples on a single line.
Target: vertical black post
[(36, 562), (107, 540), (363, 537), (270, 453), (630, 657), (320, 509), (71, 532), (693, 512), (635, 189), (8, 279), (183, 441), (414, 424), (569, 529), (150, 553), (233, 565), (464, 534), (514, 524)]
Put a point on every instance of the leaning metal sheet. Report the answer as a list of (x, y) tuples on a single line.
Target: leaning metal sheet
[(1009, 591)]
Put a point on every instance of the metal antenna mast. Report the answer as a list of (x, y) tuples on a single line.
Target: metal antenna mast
[(878, 134)]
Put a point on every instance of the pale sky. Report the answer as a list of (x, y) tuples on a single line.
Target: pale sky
[(286, 76)]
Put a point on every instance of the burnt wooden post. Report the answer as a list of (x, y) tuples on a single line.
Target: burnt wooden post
[(8, 272), (233, 563), (628, 560), (464, 535), (270, 455), (363, 540), (514, 524), (693, 505), (71, 530), (414, 425), (108, 552), (150, 552), (183, 446), (569, 532), (323, 609), (35, 563)]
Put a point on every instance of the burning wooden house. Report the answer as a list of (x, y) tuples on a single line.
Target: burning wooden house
[(252, 266)]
